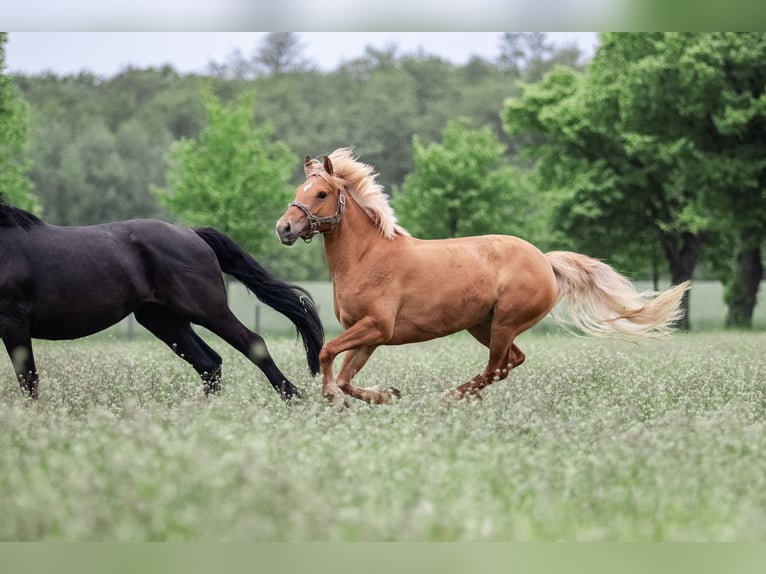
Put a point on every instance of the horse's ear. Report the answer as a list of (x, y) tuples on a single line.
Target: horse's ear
[(327, 165), (307, 164)]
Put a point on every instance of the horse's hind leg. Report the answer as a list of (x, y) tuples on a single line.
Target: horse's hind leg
[(498, 368), (223, 323), (504, 355), (200, 297), (18, 343), (177, 333)]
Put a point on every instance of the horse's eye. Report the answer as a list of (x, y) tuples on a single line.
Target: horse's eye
[(321, 195)]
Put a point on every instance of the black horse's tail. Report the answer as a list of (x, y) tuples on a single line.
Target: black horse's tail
[(290, 300)]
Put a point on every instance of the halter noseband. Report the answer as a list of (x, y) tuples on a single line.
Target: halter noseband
[(315, 222)]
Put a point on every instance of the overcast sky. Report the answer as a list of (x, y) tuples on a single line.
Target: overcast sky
[(107, 53)]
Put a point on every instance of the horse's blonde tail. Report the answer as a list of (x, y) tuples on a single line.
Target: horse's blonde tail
[(603, 303)]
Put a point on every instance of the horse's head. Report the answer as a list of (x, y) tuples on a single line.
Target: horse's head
[(318, 206)]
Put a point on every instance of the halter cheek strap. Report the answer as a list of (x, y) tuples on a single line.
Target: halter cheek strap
[(316, 222)]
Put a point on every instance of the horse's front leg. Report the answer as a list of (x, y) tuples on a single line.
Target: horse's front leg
[(352, 364), (359, 340), (330, 390), (19, 347)]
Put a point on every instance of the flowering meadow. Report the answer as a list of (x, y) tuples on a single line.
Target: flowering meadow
[(587, 440)]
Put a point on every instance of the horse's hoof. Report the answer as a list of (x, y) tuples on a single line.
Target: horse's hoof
[(469, 396), (291, 394), (384, 396), (212, 390), (335, 398), (339, 404)]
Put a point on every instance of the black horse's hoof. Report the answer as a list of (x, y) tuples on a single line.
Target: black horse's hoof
[(211, 382), (289, 392), (212, 389)]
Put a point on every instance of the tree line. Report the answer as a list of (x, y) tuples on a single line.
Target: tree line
[(649, 156)]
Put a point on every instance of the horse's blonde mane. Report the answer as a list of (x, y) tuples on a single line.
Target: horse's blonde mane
[(359, 180)]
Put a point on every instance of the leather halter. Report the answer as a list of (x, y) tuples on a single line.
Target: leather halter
[(315, 222)]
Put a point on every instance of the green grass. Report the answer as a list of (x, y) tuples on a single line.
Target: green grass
[(588, 440)]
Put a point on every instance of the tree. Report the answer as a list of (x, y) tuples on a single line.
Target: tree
[(233, 176), (97, 146), (623, 188), (14, 181), (529, 55), (280, 52), (661, 139), (722, 90), (463, 186), (519, 50), (698, 99)]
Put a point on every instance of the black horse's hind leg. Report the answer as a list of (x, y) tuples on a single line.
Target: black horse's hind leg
[(19, 347), (200, 297), (178, 334), (224, 324)]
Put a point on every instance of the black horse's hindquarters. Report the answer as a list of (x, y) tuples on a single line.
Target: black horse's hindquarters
[(69, 282)]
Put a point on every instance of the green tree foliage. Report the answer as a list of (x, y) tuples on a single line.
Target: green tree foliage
[(722, 89), (621, 188), (233, 176), (375, 103), (134, 117), (14, 181), (660, 142), (464, 186), (583, 172), (280, 52), (91, 165), (105, 175), (529, 55), (702, 95)]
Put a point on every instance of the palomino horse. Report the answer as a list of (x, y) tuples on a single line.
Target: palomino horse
[(391, 288), (68, 282)]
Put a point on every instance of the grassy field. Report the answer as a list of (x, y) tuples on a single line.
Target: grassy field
[(588, 440)]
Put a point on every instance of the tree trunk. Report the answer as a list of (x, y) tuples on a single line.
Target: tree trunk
[(742, 288), (655, 271), (682, 251)]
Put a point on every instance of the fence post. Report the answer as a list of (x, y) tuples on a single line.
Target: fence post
[(257, 318)]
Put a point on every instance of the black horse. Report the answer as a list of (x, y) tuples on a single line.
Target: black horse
[(69, 282)]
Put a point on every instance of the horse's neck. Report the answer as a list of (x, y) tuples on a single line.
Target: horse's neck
[(355, 236)]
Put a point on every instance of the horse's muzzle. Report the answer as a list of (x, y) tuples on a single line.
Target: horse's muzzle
[(288, 233)]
